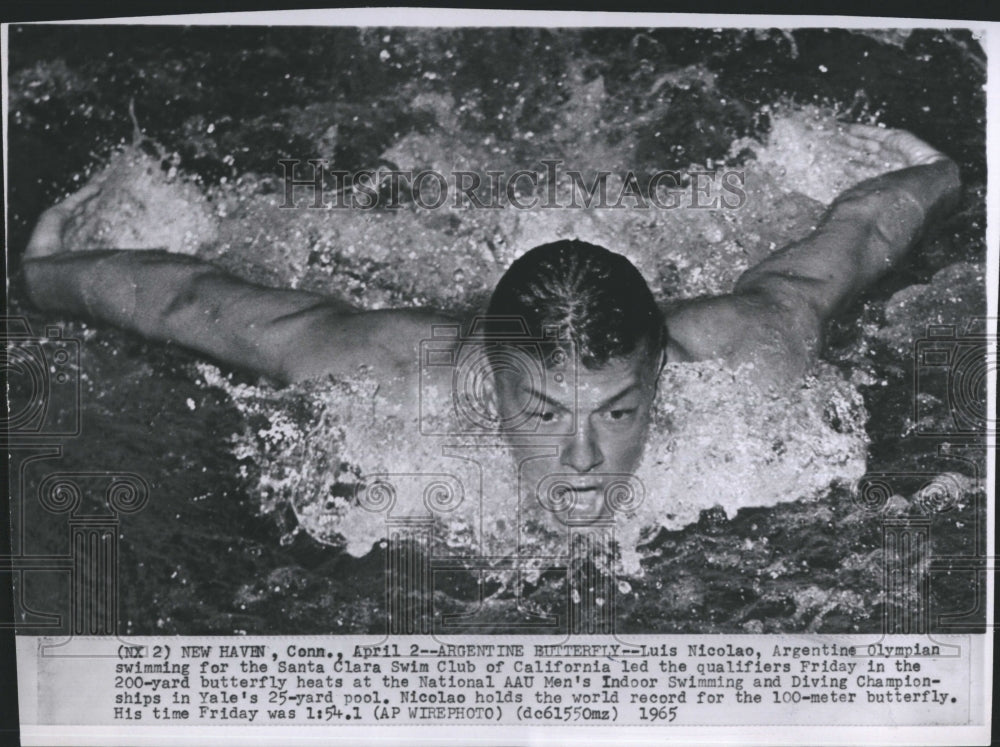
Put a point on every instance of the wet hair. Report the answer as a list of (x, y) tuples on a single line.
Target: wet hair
[(588, 294)]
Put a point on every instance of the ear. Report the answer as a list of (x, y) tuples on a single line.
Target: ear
[(660, 365)]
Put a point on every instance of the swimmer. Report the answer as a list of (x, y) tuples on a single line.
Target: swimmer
[(770, 326)]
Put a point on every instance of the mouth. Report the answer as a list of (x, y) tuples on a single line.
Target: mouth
[(586, 492), (578, 499), (587, 498), (576, 496)]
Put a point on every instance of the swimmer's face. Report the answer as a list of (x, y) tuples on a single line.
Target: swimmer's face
[(596, 421)]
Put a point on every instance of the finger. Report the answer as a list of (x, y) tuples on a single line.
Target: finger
[(861, 143), (869, 132), (46, 239), (81, 197), (877, 138), (855, 175), (857, 170), (906, 145), (849, 151)]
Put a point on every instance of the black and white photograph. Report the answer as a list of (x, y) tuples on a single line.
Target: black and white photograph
[(499, 329)]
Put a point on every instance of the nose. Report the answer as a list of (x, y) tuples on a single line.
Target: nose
[(581, 451)]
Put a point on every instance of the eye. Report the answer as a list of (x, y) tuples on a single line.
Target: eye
[(621, 414), (547, 416)]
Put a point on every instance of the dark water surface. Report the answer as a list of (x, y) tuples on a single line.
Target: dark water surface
[(200, 559)]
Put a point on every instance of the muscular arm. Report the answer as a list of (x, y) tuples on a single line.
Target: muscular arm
[(775, 316), (864, 232), (283, 334)]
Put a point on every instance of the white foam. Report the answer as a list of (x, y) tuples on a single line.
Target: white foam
[(714, 442)]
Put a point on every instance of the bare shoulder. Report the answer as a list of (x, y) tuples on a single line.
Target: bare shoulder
[(778, 343), (773, 320)]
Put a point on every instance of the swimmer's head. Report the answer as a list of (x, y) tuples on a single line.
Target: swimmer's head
[(598, 416), (590, 295)]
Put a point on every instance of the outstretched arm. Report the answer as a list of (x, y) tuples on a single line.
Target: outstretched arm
[(866, 229), (776, 314), (283, 334)]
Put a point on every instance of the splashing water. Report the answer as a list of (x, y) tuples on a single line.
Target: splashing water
[(326, 449), (321, 447)]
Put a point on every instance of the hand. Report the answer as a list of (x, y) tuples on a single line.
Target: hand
[(883, 144), (47, 238)]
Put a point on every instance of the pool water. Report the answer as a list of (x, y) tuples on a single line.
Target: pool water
[(752, 519)]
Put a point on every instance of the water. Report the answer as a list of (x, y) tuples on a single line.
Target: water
[(249, 527)]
